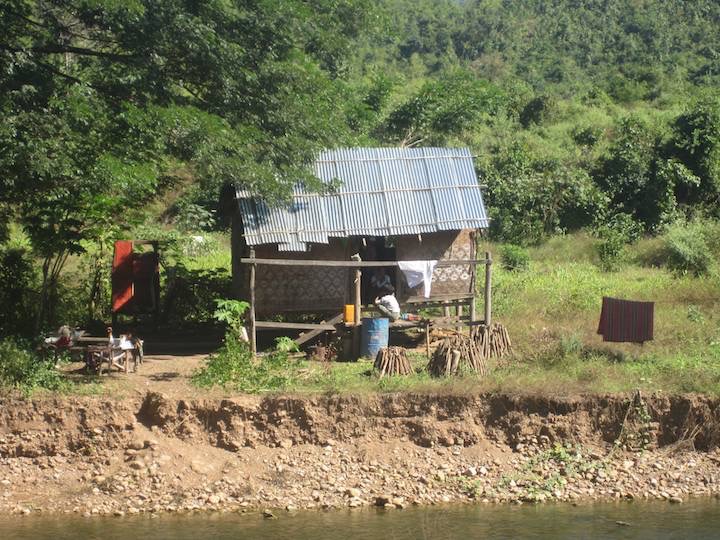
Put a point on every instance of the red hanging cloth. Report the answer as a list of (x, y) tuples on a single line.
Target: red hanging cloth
[(626, 320), (122, 275)]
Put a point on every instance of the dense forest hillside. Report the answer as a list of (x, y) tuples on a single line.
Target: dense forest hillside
[(601, 115)]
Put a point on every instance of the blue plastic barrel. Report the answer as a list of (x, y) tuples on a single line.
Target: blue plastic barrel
[(374, 336)]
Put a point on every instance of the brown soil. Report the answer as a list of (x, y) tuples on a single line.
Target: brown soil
[(160, 452)]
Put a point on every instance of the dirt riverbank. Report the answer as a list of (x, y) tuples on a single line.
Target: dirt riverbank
[(163, 454)]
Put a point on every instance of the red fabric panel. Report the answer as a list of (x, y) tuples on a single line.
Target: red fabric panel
[(626, 320), (145, 268), (122, 275)]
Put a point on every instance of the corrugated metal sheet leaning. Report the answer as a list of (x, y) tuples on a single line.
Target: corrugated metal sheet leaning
[(383, 192)]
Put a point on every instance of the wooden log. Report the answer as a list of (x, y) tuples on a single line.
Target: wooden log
[(392, 361)]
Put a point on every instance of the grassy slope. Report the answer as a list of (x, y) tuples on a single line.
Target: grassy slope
[(552, 313)]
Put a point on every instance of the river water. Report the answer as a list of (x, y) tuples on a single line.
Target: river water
[(699, 519)]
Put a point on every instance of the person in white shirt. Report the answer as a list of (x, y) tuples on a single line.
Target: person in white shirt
[(388, 304)]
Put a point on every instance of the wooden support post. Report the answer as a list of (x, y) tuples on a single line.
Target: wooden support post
[(459, 313), (488, 289), (253, 328), (427, 340), (358, 295), (358, 303)]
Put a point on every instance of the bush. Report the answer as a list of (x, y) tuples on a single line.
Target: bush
[(18, 279), (613, 236), (191, 295), (687, 247), (233, 366), (23, 370), (515, 258)]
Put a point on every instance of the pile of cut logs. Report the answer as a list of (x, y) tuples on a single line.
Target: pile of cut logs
[(392, 361), (493, 342), (454, 353)]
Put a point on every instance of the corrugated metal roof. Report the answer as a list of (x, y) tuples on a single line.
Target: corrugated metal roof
[(383, 192)]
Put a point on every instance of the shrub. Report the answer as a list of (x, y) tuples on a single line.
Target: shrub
[(538, 110), (191, 295), (23, 370), (233, 366), (515, 258), (687, 248), (613, 236), (17, 281), (232, 312)]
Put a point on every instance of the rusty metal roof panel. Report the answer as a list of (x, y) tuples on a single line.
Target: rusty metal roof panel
[(383, 192)]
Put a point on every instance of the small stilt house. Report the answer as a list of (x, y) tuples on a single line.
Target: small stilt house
[(392, 204)]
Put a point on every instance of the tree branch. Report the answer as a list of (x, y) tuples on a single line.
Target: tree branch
[(62, 49)]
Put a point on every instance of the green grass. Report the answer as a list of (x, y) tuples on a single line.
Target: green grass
[(552, 313)]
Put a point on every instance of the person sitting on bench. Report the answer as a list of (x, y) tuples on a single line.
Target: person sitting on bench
[(388, 304)]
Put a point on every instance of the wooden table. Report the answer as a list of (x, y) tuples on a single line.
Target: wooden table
[(117, 357)]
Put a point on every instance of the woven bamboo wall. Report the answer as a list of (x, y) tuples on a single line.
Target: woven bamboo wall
[(447, 245), (303, 289)]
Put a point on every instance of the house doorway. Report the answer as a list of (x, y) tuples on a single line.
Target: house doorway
[(377, 248)]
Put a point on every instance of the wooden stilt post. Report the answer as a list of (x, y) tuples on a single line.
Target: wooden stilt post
[(358, 303), (253, 328), (488, 289), (427, 340)]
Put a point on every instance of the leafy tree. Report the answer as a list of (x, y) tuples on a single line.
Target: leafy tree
[(529, 199), (445, 106), (637, 177), (103, 101), (696, 144)]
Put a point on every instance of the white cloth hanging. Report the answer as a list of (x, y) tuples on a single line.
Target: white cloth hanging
[(417, 272)]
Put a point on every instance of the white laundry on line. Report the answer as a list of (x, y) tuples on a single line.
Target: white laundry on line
[(417, 272)]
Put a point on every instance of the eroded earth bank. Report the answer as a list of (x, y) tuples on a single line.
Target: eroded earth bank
[(157, 454)]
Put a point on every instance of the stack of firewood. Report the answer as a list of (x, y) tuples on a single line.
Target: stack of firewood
[(492, 342), (455, 352), (392, 361)]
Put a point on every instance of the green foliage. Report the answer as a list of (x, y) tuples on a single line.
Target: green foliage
[(529, 198), (696, 143), (454, 102), (193, 217), (191, 294), (284, 344), (515, 258), (614, 235), (18, 280), (20, 369), (538, 110), (232, 313), (687, 247), (233, 367)]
